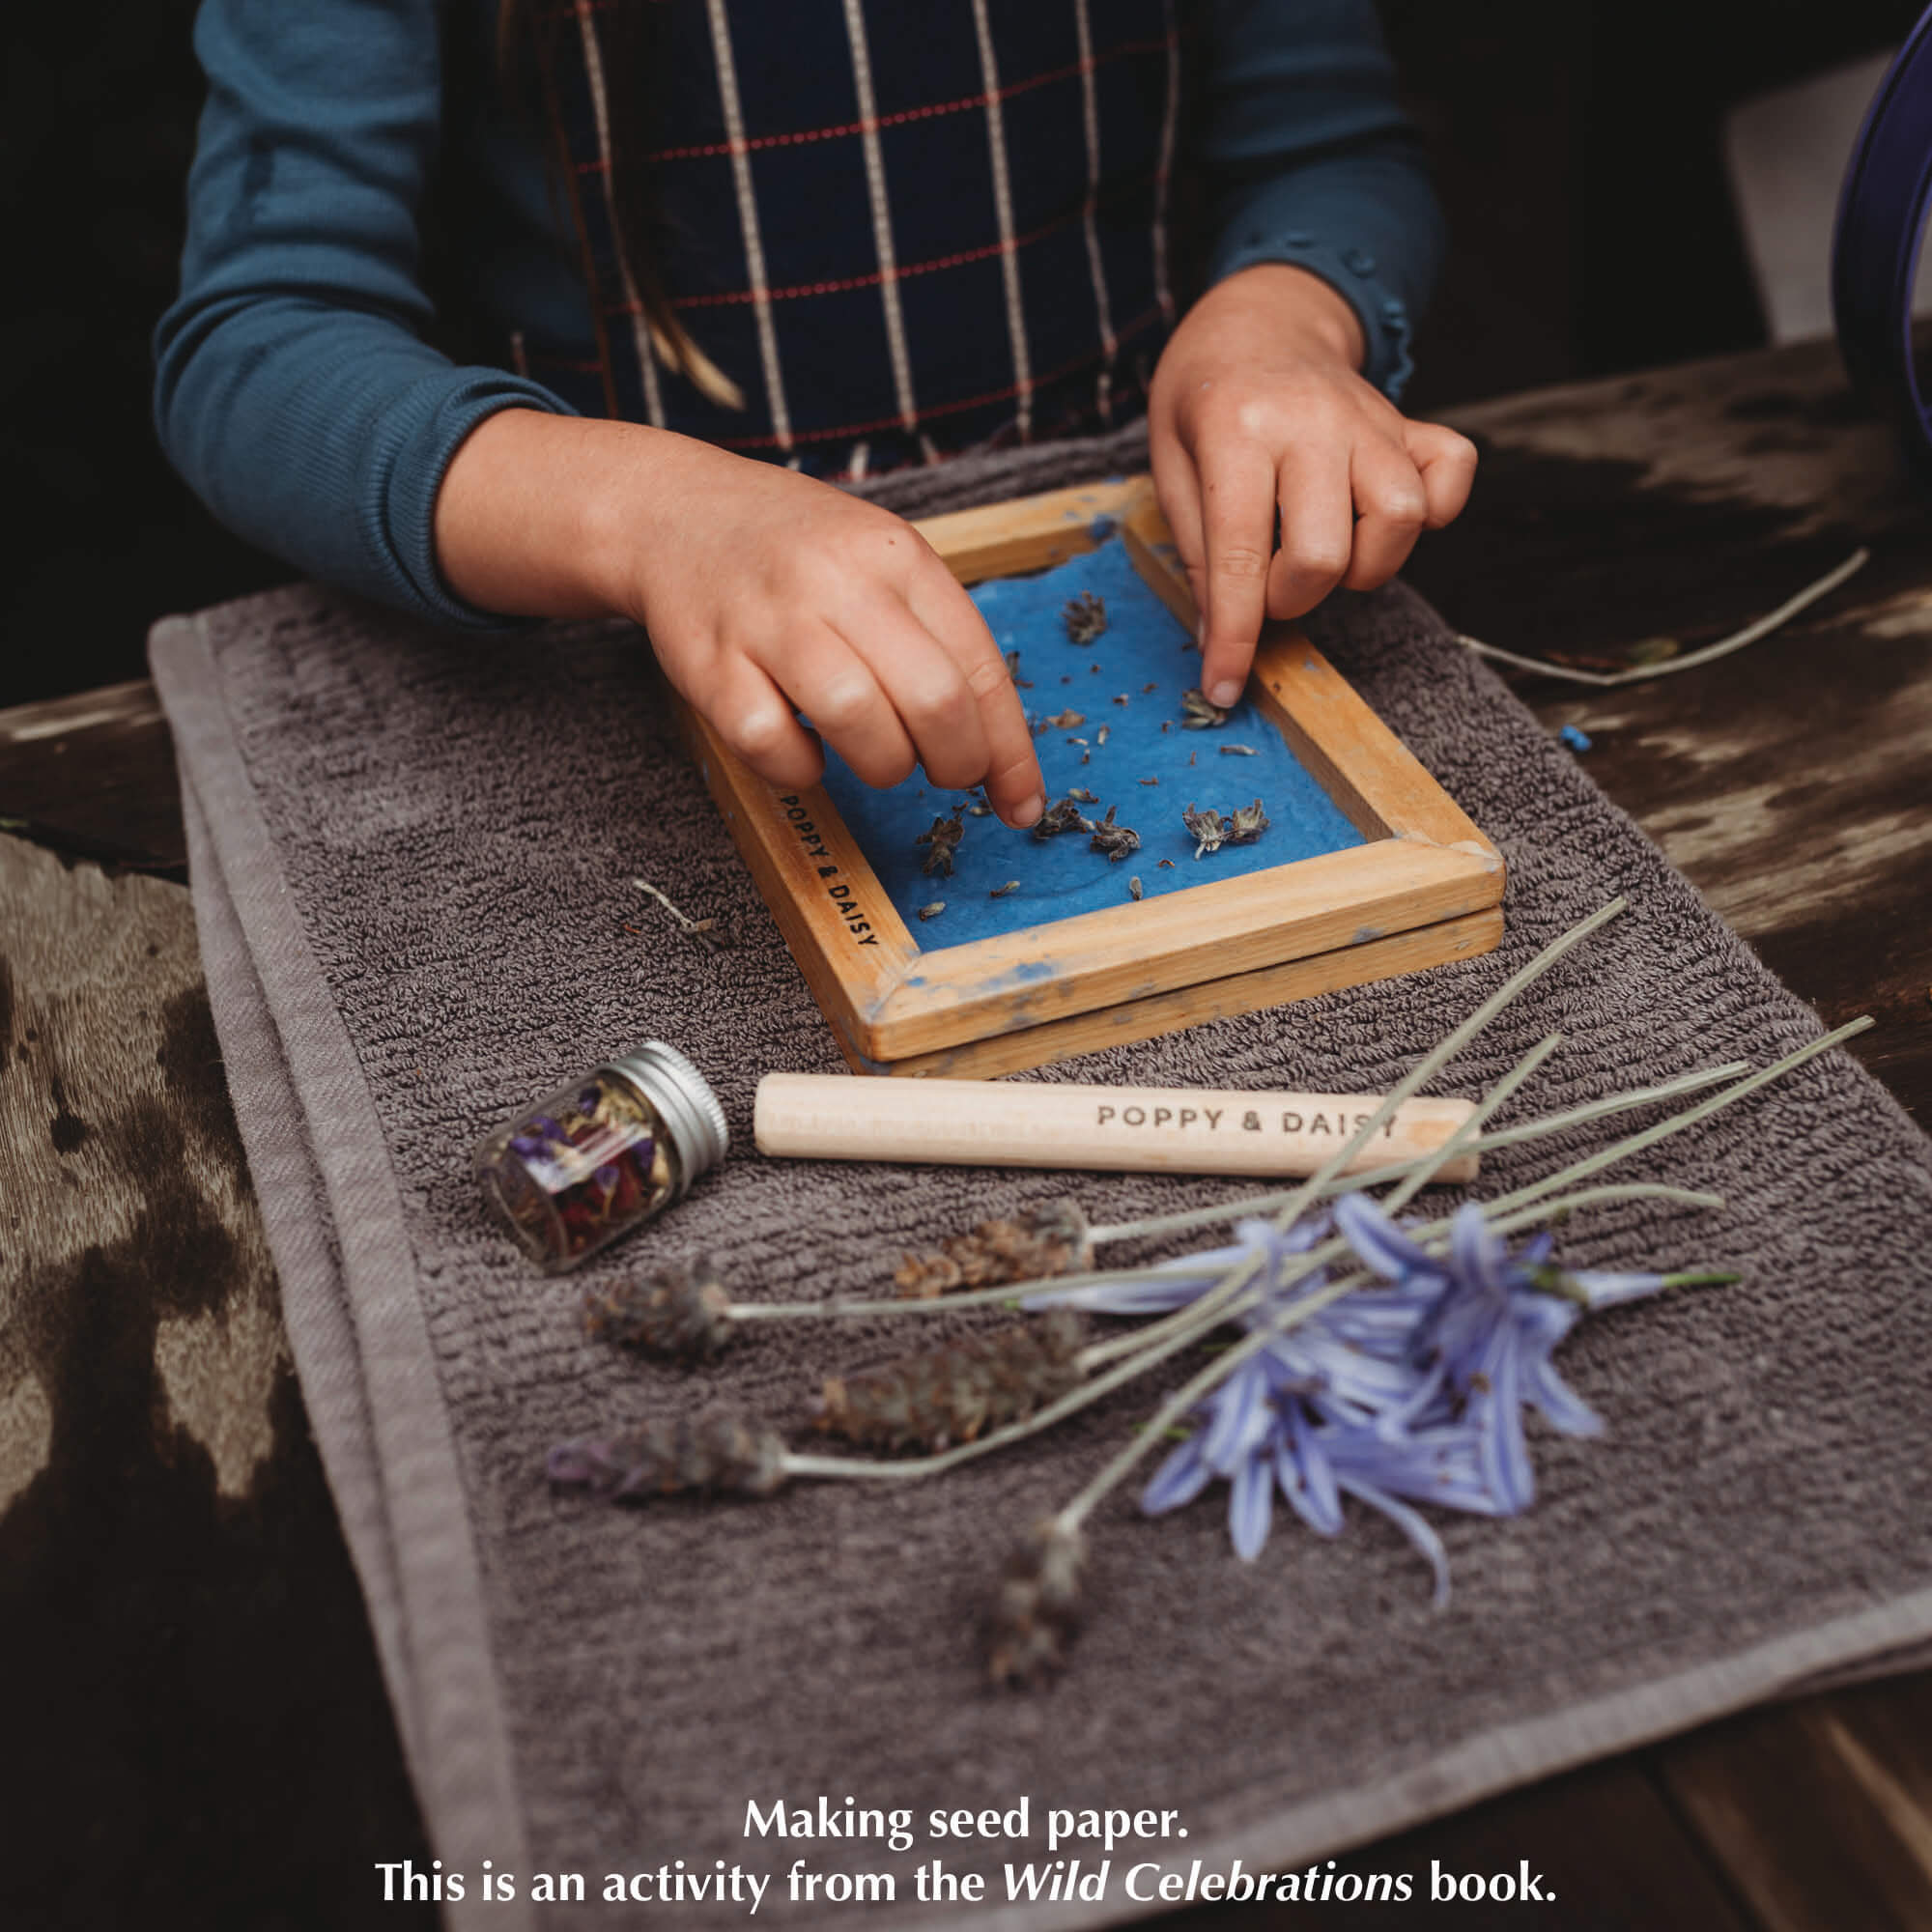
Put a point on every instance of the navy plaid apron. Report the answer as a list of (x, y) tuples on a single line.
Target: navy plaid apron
[(904, 229)]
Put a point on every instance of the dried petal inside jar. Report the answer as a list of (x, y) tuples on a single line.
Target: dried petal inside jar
[(579, 1169)]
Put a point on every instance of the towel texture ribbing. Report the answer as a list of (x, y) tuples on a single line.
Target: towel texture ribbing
[(412, 858)]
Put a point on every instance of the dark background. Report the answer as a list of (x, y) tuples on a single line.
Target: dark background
[(1576, 145)]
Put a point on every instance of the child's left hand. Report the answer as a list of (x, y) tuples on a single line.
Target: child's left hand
[(1258, 404)]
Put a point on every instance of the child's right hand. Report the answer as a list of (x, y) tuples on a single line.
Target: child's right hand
[(762, 591)]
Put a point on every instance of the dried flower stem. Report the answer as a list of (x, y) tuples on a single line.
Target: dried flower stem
[(1649, 1136), (1007, 1296), (1527, 1131), (1215, 1307), (704, 931), (1211, 1308)]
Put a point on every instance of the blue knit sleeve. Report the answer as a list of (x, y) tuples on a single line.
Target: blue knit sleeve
[(294, 390), (1311, 162)]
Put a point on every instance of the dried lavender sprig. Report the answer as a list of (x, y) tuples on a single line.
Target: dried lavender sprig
[(1037, 1613), (916, 1468), (1210, 1310), (956, 1392)]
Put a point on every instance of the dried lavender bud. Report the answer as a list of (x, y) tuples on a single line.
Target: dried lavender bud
[(1134, 887), (1115, 841), (1239, 751), (1012, 659), (1101, 736), (684, 1311), (1063, 815), (958, 1392), (1000, 892), (981, 810), (1247, 824), (1146, 782), (1206, 829), (718, 1451), (1042, 1242), (944, 840), (1201, 715), (1165, 866), (1036, 1615), (1122, 699), (1145, 688), (1166, 725), (1085, 617), (1076, 741), (933, 910), (1085, 796)]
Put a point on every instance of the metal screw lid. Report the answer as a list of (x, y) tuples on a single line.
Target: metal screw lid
[(685, 1102)]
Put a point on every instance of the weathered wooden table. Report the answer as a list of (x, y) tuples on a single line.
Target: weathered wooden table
[(194, 1726)]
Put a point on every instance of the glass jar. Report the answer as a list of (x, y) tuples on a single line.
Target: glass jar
[(602, 1156)]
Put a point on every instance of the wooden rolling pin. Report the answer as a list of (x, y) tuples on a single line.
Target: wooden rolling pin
[(1002, 1123)]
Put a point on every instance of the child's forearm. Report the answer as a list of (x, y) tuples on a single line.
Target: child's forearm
[(541, 515)]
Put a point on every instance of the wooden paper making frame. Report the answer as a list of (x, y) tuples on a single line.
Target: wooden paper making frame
[(1426, 888)]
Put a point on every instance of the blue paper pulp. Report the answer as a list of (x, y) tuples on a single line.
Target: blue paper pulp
[(1143, 643)]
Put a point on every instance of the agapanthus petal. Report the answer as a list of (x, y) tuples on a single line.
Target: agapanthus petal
[(1251, 1507), (1413, 1527), (1241, 1415), (1603, 1290), (1477, 1249), (1441, 1464), (1495, 1408), (1179, 1480), (1379, 1244), (1307, 1478), (1563, 1409)]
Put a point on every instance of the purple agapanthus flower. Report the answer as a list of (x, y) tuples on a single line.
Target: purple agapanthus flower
[(1408, 1392)]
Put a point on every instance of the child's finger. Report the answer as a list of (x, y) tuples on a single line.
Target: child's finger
[(1177, 491), (842, 695), (755, 719), (1237, 510), (1318, 526), (1011, 774), (1447, 464), (1390, 508), (920, 681)]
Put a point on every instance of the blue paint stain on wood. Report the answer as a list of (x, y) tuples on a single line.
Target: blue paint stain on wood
[(1143, 643)]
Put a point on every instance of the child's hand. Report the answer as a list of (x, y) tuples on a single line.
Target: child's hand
[(761, 591), (1257, 406)]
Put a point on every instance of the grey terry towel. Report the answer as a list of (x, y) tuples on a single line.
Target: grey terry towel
[(412, 858)]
